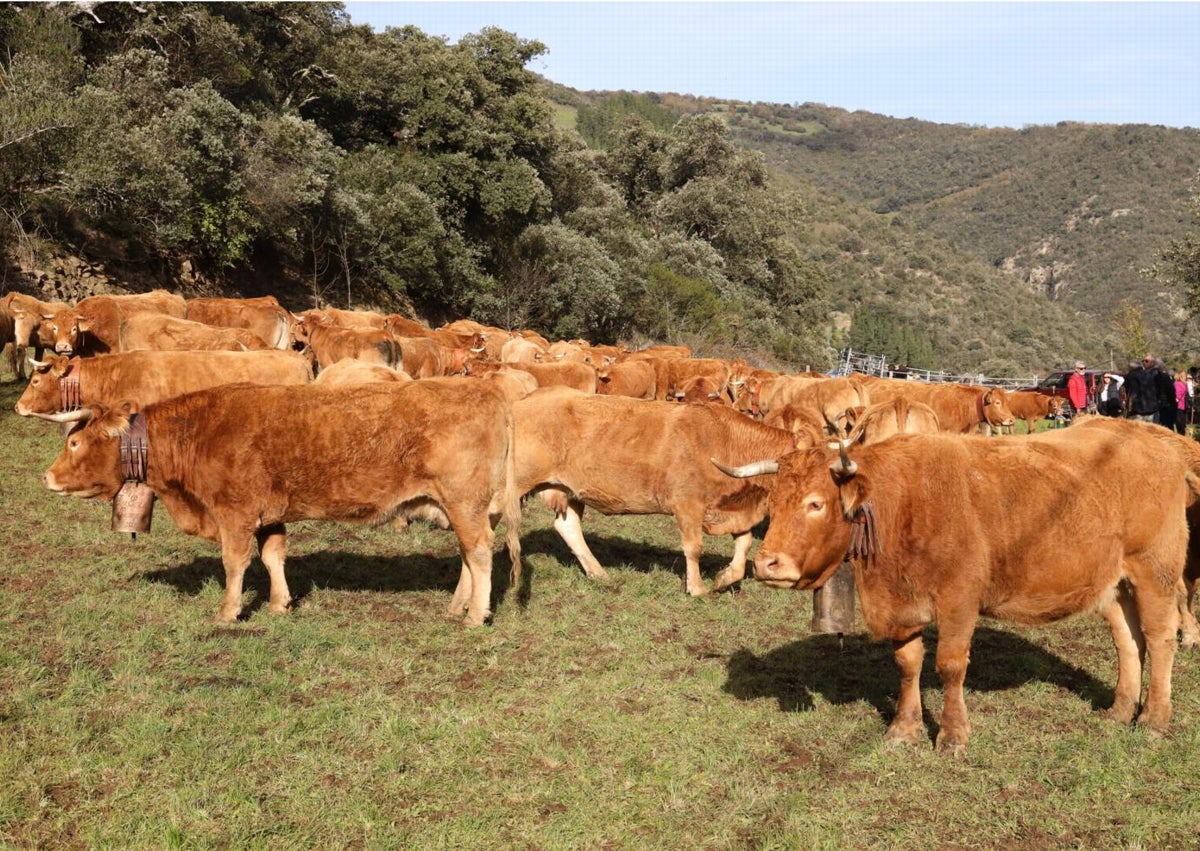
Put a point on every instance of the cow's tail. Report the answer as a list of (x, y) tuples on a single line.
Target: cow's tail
[(512, 502)]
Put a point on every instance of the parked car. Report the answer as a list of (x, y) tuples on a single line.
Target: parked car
[(1055, 384)]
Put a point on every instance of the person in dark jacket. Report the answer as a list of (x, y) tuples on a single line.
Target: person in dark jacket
[(1141, 391), (1164, 386)]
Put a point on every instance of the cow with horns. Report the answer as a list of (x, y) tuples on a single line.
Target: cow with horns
[(927, 521)]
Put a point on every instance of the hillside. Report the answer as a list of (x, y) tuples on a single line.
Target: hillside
[(1071, 213), (1039, 234)]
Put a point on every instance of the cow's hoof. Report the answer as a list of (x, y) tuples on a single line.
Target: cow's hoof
[(1121, 712), (952, 743), (903, 737), (1156, 723)]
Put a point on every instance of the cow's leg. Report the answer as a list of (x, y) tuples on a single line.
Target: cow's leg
[(908, 727), (568, 522), (1189, 629), (1123, 620), (272, 548), (953, 654), (691, 533), (16, 360), (236, 548), (1160, 620), (462, 593), (475, 538), (736, 571)]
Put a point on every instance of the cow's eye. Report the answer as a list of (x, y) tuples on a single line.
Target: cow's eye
[(73, 443), (815, 505)]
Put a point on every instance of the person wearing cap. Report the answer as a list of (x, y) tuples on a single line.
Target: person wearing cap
[(1077, 389), (1141, 391)]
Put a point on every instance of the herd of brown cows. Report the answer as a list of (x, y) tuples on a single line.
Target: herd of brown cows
[(236, 437)]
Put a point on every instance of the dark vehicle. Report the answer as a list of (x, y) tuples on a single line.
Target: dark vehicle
[(1055, 384)]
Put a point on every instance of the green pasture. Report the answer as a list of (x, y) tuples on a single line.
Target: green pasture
[(621, 715)]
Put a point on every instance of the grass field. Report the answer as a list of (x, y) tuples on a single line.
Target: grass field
[(618, 715)]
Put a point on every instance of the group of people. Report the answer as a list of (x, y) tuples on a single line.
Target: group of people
[(1149, 392)]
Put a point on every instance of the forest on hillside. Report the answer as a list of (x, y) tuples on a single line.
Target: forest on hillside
[(278, 147), (278, 143)]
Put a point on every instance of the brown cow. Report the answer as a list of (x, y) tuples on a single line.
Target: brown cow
[(828, 398), (402, 326), (561, 351), (8, 342), (520, 350), (93, 326), (1189, 629), (661, 351), (263, 316), (332, 343), (1031, 407), (887, 419), (342, 318), (961, 408), (62, 384), (928, 522), (351, 371), (163, 333), (633, 378), (761, 394), (30, 327), (740, 371), (701, 388), (629, 456), (424, 357), (234, 464), (578, 376), (672, 372)]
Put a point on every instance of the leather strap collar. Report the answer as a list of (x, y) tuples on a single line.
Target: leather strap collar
[(68, 390), (134, 447), (864, 537)]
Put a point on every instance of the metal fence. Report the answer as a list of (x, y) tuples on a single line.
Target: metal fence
[(851, 361)]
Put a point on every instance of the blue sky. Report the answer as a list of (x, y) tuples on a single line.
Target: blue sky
[(991, 64)]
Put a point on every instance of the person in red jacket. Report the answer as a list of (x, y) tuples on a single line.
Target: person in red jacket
[(1077, 389)]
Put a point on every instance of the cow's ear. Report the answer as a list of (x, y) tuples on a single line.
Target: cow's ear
[(84, 323), (853, 492)]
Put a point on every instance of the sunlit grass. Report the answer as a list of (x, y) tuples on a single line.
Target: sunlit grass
[(620, 715)]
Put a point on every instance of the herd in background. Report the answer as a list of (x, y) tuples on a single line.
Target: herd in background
[(212, 406)]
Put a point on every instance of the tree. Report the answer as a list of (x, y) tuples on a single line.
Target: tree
[(677, 307), (1129, 324), (597, 123)]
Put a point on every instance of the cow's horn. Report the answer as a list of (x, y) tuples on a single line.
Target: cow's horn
[(756, 468), (37, 364), (843, 466), (66, 416)]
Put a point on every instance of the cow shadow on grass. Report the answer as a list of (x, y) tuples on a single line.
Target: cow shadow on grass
[(332, 570), (349, 571), (864, 670), (617, 554)]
